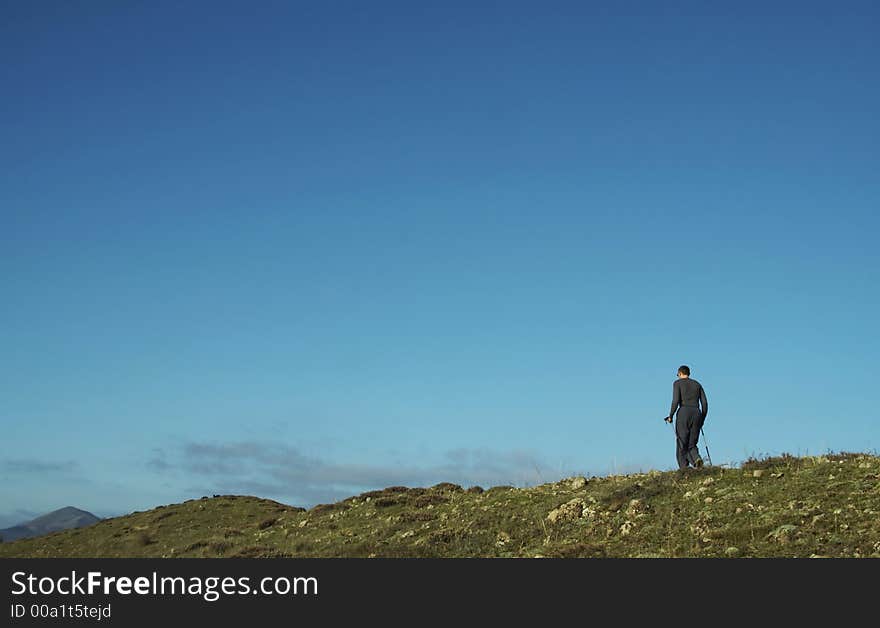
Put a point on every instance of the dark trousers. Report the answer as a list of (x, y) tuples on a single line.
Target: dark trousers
[(688, 422)]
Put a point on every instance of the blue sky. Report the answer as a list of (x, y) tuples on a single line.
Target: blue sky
[(302, 250)]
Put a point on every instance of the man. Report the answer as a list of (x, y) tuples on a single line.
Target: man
[(687, 393)]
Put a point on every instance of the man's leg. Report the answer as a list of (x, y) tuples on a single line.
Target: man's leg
[(693, 453), (681, 440)]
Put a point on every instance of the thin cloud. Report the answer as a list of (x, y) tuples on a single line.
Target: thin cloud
[(282, 472), (159, 461), (32, 465), (16, 517)]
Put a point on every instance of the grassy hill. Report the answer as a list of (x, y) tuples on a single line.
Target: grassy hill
[(773, 507)]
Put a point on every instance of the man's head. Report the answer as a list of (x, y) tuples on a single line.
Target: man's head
[(684, 371)]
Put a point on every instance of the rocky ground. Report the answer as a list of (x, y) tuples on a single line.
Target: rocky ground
[(818, 506)]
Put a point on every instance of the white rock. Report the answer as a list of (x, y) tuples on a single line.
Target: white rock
[(569, 511)]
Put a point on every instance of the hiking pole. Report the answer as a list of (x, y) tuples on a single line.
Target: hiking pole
[(706, 445)]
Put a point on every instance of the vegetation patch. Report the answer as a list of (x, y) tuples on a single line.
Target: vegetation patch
[(774, 506)]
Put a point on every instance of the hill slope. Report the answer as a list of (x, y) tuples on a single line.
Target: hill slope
[(61, 519), (784, 506)]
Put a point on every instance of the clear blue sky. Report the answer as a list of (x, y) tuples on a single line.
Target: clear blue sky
[(301, 250)]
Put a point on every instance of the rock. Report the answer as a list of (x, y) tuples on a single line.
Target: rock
[(569, 511), (782, 533), (635, 508), (577, 482), (626, 528), (732, 551), (757, 473), (708, 500)]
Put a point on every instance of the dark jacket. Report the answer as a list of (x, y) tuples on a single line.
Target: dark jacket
[(687, 391)]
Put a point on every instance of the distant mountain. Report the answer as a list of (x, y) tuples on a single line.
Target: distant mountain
[(61, 519), (772, 507)]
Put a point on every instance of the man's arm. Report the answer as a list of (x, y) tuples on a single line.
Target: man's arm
[(704, 402), (676, 398)]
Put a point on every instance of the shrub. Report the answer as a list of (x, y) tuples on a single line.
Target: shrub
[(143, 539), (219, 546), (447, 486), (431, 498), (767, 462)]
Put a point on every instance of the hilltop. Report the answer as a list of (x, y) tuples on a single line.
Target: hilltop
[(782, 506), (61, 519)]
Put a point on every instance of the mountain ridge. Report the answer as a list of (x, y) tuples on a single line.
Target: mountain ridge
[(55, 521), (783, 506)]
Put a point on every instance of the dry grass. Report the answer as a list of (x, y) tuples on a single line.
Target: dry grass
[(795, 506)]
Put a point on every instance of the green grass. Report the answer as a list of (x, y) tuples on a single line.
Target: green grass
[(773, 507)]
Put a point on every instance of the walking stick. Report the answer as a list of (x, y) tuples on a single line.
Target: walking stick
[(706, 445)]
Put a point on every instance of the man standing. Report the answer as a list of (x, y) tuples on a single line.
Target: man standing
[(686, 394)]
